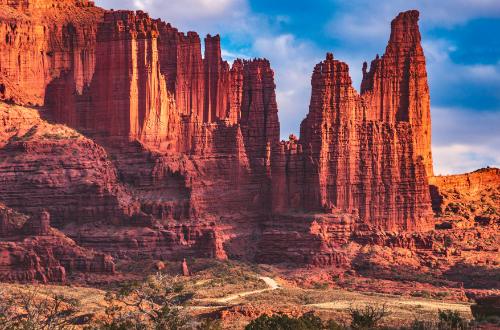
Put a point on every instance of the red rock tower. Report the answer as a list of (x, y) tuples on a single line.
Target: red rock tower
[(365, 154), (396, 89)]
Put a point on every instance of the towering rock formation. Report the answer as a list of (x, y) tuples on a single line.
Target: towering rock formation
[(259, 111), (181, 154), (396, 90), (365, 153)]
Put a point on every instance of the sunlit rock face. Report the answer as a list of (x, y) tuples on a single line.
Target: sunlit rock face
[(172, 153), (366, 153)]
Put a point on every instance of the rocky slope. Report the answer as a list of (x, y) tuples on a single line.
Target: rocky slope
[(178, 154), (31, 250), (468, 199)]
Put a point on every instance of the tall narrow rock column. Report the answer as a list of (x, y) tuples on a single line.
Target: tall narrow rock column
[(396, 89)]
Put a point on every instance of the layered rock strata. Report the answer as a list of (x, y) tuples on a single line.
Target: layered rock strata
[(44, 166), (467, 200), (31, 250), (180, 153)]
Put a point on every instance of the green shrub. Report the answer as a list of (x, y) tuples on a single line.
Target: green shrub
[(30, 310)]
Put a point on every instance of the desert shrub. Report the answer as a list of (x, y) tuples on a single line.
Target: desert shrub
[(451, 320), (422, 293), (367, 317), (421, 325), (308, 321), (209, 324), (154, 304), (320, 285), (54, 136), (30, 310)]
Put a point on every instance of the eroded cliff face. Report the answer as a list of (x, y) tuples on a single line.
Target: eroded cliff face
[(395, 88), (31, 250), (467, 200), (44, 166), (179, 152), (41, 40), (366, 154)]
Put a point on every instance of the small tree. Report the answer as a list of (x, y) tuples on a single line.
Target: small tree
[(451, 320), (153, 304), (368, 317), (31, 310)]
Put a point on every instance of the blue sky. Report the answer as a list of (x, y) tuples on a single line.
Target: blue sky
[(461, 40)]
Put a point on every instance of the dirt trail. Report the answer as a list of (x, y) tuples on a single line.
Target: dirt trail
[(394, 304), (271, 285)]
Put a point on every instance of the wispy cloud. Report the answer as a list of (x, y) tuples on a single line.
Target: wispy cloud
[(464, 139), (203, 16), (291, 60)]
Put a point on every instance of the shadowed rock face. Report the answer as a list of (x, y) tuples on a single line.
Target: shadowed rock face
[(181, 155)]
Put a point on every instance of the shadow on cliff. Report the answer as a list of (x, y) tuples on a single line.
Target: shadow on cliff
[(474, 277), (386, 270)]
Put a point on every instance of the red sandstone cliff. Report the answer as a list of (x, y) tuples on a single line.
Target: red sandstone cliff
[(181, 154), (468, 199), (395, 88), (43, 40), (31, 250), (365, 153)]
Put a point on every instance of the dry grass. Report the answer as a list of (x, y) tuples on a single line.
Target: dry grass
[(215, 280)]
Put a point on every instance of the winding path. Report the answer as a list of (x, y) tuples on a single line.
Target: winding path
[(271, 285)]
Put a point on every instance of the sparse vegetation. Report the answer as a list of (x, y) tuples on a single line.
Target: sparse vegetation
[(452, 320), (308, 321), (165, 301), (367, 317), (153, 304), (28, 310)]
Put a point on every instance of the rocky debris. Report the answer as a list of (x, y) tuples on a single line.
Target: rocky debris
[(238, 313), (30, 250), (467, 200), (160, 265)]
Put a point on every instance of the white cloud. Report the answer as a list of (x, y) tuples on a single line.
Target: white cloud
[(463, 158), (293, 61), (367, 18), (464, 140), (203, 16)]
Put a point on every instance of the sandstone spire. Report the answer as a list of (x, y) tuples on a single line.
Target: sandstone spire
[(396, 89), (365, 153)]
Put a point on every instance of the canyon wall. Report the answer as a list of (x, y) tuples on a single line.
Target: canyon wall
[(467, 200), (179, 152)]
